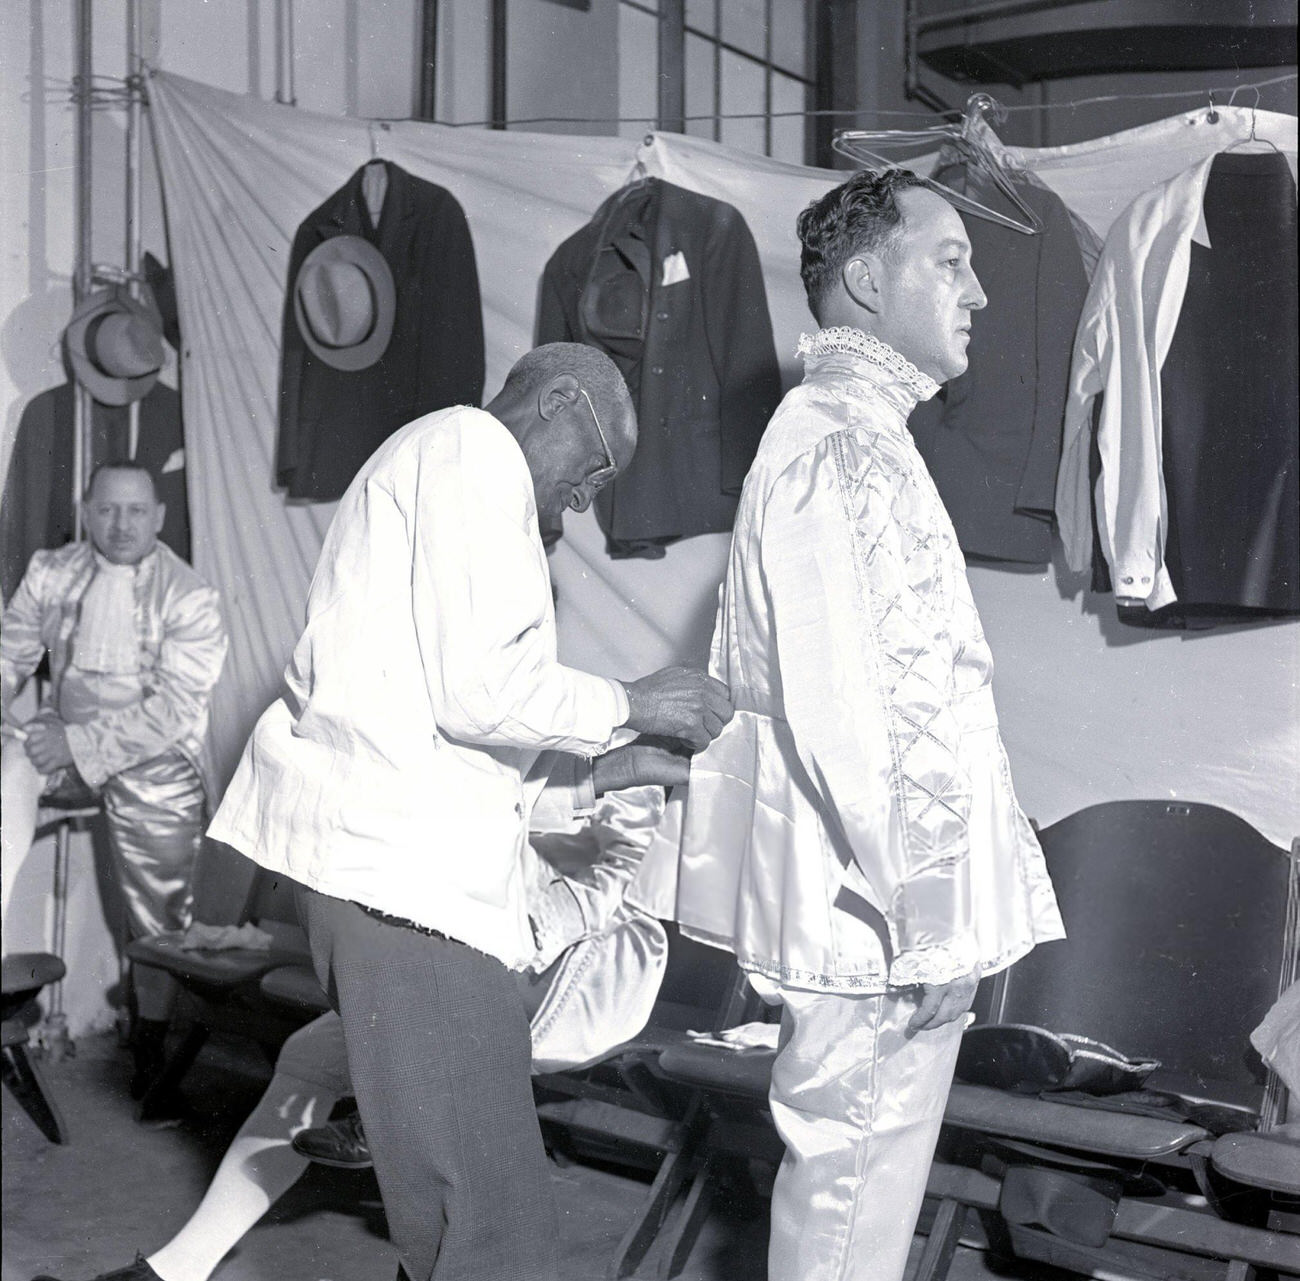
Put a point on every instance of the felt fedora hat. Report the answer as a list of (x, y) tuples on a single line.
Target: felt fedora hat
[(115, 344), (345, 302)]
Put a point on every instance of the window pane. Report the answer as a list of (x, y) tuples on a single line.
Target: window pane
[(788, 131), (638, 54), (699, 85), (700, 15), (744, 23), (742, 94), (789, 36)]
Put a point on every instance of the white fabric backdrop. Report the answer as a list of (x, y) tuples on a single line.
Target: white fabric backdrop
[(1091, 711)]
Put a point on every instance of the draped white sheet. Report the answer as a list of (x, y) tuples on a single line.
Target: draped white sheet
[(239, 175)]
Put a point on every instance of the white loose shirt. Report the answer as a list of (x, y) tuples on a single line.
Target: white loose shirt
[(399, 766), (1124, 335)]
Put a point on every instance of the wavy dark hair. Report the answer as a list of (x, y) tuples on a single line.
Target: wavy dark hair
[(858, 216)]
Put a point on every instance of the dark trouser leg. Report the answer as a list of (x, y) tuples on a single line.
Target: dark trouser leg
[(440, 1058)]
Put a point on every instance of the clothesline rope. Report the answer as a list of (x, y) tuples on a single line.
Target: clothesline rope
[(1202, 94)]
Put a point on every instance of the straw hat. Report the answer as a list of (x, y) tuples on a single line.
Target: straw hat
[(115, 345), (345, 302)]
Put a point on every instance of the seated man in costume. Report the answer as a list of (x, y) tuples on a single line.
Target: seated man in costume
[(135, 641), (590, 986)]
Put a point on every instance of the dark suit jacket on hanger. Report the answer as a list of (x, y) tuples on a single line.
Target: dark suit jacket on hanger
[(992, 437), (332, 420), (668, 283)]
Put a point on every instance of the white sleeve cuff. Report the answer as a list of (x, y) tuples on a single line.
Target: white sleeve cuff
[(934, 965)]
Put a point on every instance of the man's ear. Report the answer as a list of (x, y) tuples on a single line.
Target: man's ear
[(160, 518), (557, 395), (861, 283)]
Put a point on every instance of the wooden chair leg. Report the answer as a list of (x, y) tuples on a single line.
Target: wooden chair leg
[(652, 1215), (640, 1236), (941, 1244), (690, 1222), (25, 1081)]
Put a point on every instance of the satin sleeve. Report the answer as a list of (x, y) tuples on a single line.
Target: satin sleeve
[(21, 644), (866, 670)]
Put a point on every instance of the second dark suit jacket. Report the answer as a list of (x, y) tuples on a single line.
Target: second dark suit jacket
[(332, 420), (992, 437), (703, 371)]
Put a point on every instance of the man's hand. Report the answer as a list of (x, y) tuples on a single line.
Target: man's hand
[(943, 1002), (47, 743), (679, 702), (641, 764)]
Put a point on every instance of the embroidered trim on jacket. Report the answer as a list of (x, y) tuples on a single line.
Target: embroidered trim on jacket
[(854, 342)]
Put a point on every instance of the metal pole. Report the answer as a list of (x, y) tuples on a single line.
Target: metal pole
[(82, 409), (54, 1028), (428, 103), (497, 113), (672, 66), (284, 91), (135, 95)]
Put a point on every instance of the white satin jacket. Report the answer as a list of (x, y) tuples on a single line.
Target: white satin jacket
[(854, 827), (182, 645)]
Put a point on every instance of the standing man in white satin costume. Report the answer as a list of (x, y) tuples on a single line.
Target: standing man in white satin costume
[(852, 834)]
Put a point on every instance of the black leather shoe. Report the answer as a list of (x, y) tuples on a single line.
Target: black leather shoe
[(341, 1144), (137, 1271)]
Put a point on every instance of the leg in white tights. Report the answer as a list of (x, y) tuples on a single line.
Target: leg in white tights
[(260, 1166)]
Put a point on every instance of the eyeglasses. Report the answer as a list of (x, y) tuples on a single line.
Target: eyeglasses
[(602, 475)]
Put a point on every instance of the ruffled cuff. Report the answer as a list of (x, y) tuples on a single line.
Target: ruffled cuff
[(558, 921), (934, 965)]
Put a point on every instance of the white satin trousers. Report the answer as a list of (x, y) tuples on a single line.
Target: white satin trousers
[(859, 1101)]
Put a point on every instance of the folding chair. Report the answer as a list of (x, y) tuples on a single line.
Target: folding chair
[(24, 975), (221, 989), (1179, 933), (707, 1133)]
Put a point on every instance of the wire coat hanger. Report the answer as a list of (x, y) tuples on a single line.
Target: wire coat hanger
[(1251, 138), (967, 139)]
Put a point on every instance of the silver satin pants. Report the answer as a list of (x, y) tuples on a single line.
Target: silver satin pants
[(155, 817), (859, 1103)]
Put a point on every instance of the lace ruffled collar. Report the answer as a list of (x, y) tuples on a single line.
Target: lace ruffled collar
[(845, 340)]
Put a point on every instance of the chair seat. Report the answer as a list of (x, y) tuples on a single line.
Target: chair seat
[(28, 972), (1116, 1134), (1269, 1161), (227, 968), (296, 987), (744, 1072)]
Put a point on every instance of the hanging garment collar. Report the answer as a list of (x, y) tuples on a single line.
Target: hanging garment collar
[(900, 380)]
